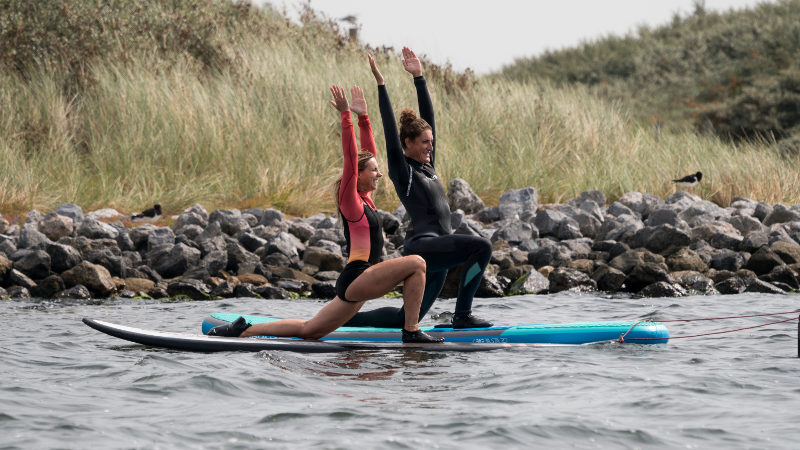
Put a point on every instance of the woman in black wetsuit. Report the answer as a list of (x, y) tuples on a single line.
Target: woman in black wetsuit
[(411, 158)]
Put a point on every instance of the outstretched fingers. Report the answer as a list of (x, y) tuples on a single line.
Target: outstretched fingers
[(339, 99), (359, 105), (411, 63), (375, 72)]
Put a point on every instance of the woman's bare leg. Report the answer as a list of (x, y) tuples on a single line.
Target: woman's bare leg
[(384, 276), (333, 315)]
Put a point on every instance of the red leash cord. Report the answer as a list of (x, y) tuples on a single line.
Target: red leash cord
[(622, 338)]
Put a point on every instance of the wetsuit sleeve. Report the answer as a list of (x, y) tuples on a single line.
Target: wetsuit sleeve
[(398, 167), (368, 144), (365, 131), (426, 109), (349, 200)]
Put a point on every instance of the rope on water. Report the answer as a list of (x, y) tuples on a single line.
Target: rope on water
[(622, 337)]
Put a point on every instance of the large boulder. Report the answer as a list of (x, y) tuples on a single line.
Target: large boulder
[(781, 214), (63, 257), (231, 222), (35, 264), (719, 234), (72, 211), (323, 259), (95, 277), (94, 229), (642, 204), (763, 261), (567, 278), (56, 226), (686, 259), (518, 202), (461, 196)]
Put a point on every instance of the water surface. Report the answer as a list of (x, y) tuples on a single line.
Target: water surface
[(65, 385)]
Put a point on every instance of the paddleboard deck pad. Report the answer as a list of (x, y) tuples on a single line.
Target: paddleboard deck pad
[(203, 343), (575, 333)]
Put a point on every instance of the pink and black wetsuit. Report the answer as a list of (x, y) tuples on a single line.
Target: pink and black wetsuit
[(362, 225)]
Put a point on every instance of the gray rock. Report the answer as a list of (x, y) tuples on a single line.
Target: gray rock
[(788, 252), (682, 200), (665, 215), (621, 229), (513, 232), (646, 274), (94, 229), (627, 261), (72, 211), (594, 196), (555, 256), (693, 281), (5, 266), (763, 287), (31, 238), (782, 274), (35, 264), (566, 278), (461, 196), (547, 221), (272, 292), (608, 279), (686, 259), (190, 231), (240, 261), (48, 287), (115, 265), (225, 289), (531, 282), (324, 259), (18, 292), (324, 289), (304, 231), (754, 240), (781, 214), (96, 278), (663, 289), (231, 221), (641, 203), (160, 236), (763, 261), (271, 217), (518, 202), (176, 261), (718, 234), (194, 289), (251, 242), (762, 210), (62, 257), (746, 224), (296, 286), (245, 290), (489, 215), (660, 238), (329, 234), (16, 278), (727, 260), (55, 226)]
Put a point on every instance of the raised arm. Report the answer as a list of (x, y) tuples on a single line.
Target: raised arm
[(398, 167), (359, 107), (349, 200), (413, 66)]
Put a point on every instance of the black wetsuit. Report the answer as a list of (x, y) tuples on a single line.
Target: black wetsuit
[(430, 234)]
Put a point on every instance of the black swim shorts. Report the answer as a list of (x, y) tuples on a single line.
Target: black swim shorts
[(351, 271)]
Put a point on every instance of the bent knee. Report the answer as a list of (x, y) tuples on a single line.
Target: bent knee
[(419, 262)]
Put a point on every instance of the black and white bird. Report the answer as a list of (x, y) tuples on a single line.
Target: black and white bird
[(689, 181), (148, 215)]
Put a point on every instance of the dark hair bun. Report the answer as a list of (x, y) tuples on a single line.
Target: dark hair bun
[(407, 117)]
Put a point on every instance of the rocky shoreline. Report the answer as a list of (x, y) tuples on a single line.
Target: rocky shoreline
[(640, 244)]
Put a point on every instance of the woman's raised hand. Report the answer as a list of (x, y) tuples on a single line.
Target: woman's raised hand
[(375, 71), (359, 105), (340, 99), (411, 62)]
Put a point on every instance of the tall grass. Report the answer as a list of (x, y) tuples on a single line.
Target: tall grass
[(262, 133)]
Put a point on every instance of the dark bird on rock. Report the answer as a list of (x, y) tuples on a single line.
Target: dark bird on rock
[(150, 214), (689, 181)]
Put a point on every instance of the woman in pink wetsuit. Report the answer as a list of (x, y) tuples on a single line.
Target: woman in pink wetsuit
[(364, 277)]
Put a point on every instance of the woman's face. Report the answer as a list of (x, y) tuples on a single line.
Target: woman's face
[(368, 176), (420, 149)]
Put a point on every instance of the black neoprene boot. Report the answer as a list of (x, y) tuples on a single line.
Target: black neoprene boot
[(420, 337), (467, 320), (233, 329)]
